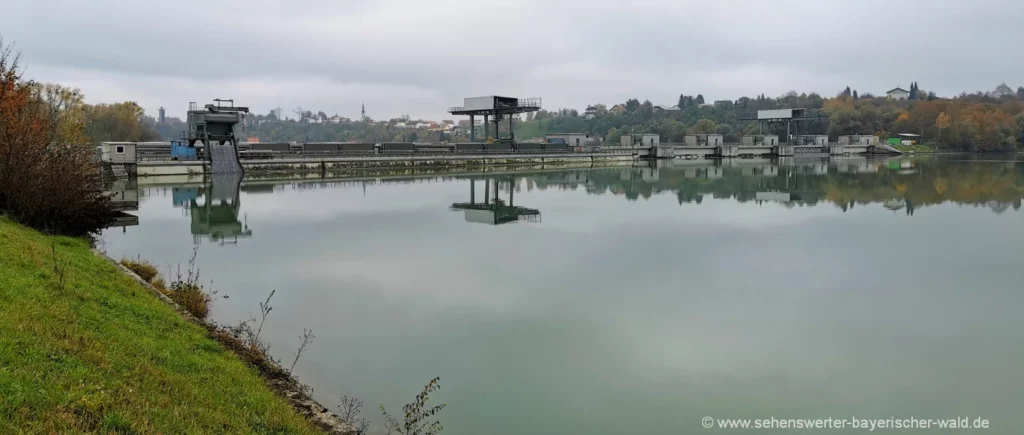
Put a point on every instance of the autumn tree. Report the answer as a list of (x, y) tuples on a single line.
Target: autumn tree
[(66, 107), (48, 179), (119, 122)]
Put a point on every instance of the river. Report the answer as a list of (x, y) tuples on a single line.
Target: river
[(628, 300)]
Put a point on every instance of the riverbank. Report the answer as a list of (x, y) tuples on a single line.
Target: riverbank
[(85, 348)]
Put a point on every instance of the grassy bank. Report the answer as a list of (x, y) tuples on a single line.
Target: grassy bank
[(916, 148), (84, 348)]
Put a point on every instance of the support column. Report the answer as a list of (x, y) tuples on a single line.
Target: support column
[(487, 129), (487, 190), (511, 192), (472, 191), (511, 133), (472, 129)]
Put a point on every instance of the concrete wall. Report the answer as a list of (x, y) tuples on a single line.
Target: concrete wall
[(775, 114), (478, 103), (573, 140), (146, 169)]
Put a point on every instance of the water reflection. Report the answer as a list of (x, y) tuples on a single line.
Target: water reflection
[(495, 211), (747, 289), (214, 209), (900, 185)]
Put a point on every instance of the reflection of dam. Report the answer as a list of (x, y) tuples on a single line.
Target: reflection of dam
[(124, 194), (217, 216), (495, 211), (904, 185)]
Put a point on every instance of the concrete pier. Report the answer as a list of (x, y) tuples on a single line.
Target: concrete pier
[(784, 150), (726, 151)]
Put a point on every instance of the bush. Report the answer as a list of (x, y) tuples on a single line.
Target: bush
[(144, 269), (48, 179), (191, 297)]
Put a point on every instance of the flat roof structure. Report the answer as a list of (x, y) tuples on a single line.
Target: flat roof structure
[(496, 108)]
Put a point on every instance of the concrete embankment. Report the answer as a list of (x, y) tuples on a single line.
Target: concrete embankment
[(168, 167)]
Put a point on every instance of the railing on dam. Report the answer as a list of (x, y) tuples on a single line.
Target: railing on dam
[(315, 155)]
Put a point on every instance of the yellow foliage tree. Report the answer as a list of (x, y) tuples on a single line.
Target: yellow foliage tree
[(66, 108), (943, 121)]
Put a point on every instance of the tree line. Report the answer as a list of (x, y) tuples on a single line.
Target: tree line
[(981, 121)]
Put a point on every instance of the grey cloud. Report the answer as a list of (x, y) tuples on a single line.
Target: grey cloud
[(419, 57)]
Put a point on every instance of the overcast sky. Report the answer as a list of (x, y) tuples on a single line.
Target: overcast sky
[(419, 57)]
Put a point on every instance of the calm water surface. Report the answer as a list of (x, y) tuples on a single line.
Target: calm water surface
[(629, 300)]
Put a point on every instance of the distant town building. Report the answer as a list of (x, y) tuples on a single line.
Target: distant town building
[(163, 116), (898, 93), (593, 111), (618, 109)]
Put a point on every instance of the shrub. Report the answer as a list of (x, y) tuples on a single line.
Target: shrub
[(416, 414), (159, 284), (191, 297), (48, 179), (144, 269)]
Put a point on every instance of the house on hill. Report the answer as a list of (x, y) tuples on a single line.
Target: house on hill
[(898, 93)]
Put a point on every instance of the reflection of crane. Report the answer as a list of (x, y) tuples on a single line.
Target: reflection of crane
[(217, 217), (495, 211)]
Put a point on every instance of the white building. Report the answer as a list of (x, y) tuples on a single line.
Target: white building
[(898, 93), (116, 152)]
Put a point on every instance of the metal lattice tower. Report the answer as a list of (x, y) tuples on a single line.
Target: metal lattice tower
[(213, 126)]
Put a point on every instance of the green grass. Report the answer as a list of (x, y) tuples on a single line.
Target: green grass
[(105, 355)]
